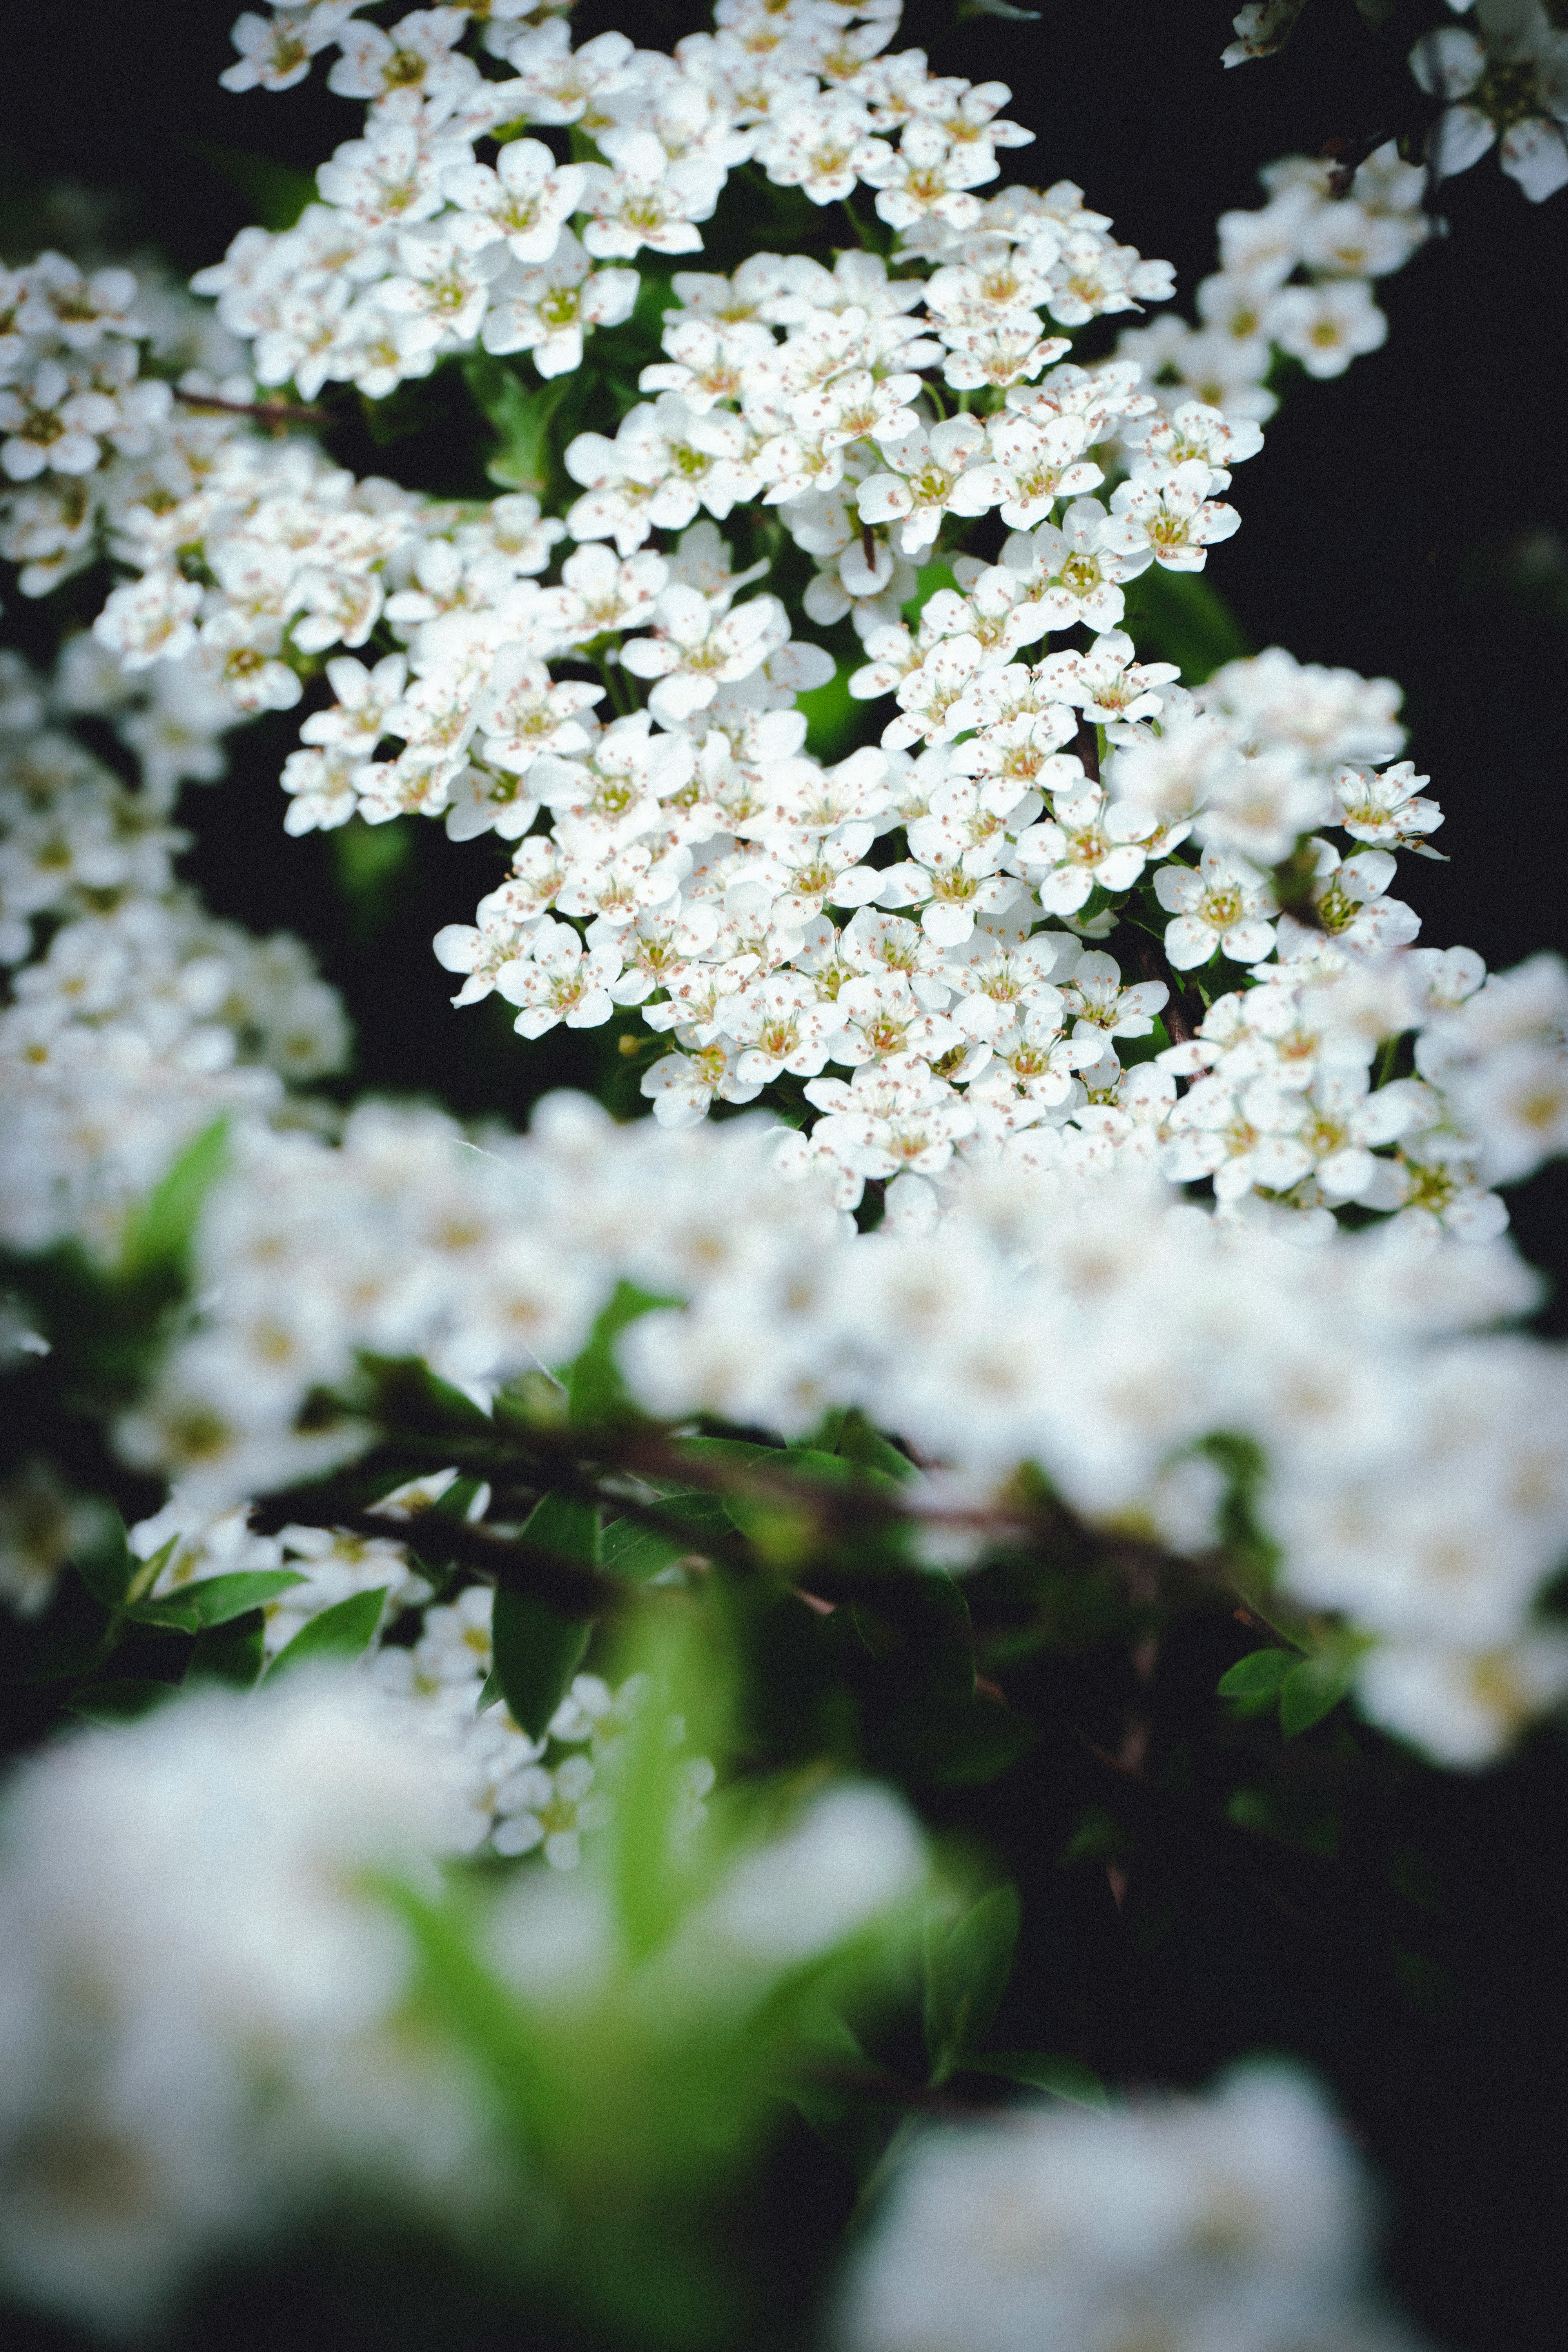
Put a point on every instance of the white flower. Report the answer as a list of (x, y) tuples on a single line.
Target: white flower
[(558, 982), (696, 649), (682, 1088), (151, 619), (417, 54), (438, 297), (1175, 518), (823, 146), (1513, 81), (781, 1025), (927, 177), (1327, 326), (1223, 906), (1093, 993), (929, 473), (1087, 845), (521, 713), (543, 309), (527, 200), (1038, 461), (645, 198), (1386, 809), (275, 52)]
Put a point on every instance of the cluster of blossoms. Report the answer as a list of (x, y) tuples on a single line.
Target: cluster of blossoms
[(431, 1663), (211, 2022), (1294, 279), (906, 943), (135, 1018), (1236, 2220), (84, 419), (417, 249), (1101, 1331), (1083, 991)]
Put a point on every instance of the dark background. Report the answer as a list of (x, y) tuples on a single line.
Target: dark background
[(1410, 518)]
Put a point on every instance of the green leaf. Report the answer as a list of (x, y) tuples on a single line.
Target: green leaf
[(932, 576), (231, 1654), (1064, 2078), (1179, 616), (103, 1556), (1312, 1690), (1261, 1671), (968, 1746), (160, 1231), (336, 1638), (595, 1391), (536, 1654), (216, 1599), (427, 1528), (519, 416), (640, 1548), (967, 1969), (536, 1651), (861, 1443), (727, 1452), (833, 716), (278, 193), (121, 1702)]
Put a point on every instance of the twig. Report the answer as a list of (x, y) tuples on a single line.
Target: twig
[(564, 1584), (266, 412), (1179, 1024)]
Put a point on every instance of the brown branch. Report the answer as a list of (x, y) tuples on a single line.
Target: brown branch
[(266, 412), (1180, 1026), (564, 1584)]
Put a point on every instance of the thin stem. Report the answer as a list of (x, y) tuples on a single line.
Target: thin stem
[(266, 412)]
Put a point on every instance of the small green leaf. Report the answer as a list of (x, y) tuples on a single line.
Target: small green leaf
[(724, 1453), (1312, 1690), (103, 1556), (121, 1702), (536, 1654), (336, 1638), (967, 1969), (520, 416), (216, 1599), (161, 1229), (1182, 617), (1259, 1672), (536, 1651), (640, 1548), (278, 193), (426, 1531), (231, 1653), (1064, 2078), (595, 1388), (861, 1443)]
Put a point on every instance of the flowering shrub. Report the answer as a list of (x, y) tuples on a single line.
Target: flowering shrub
[(535, 1647)]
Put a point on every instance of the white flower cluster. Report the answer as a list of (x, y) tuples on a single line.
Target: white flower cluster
[(417, 249), (79, 420), (501, 1789), (1295, 276), (1237, 2219), (1505, 85), (143, 1019), (292, 552), (1413, 1480), (207, 2032), (200, 2033)]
